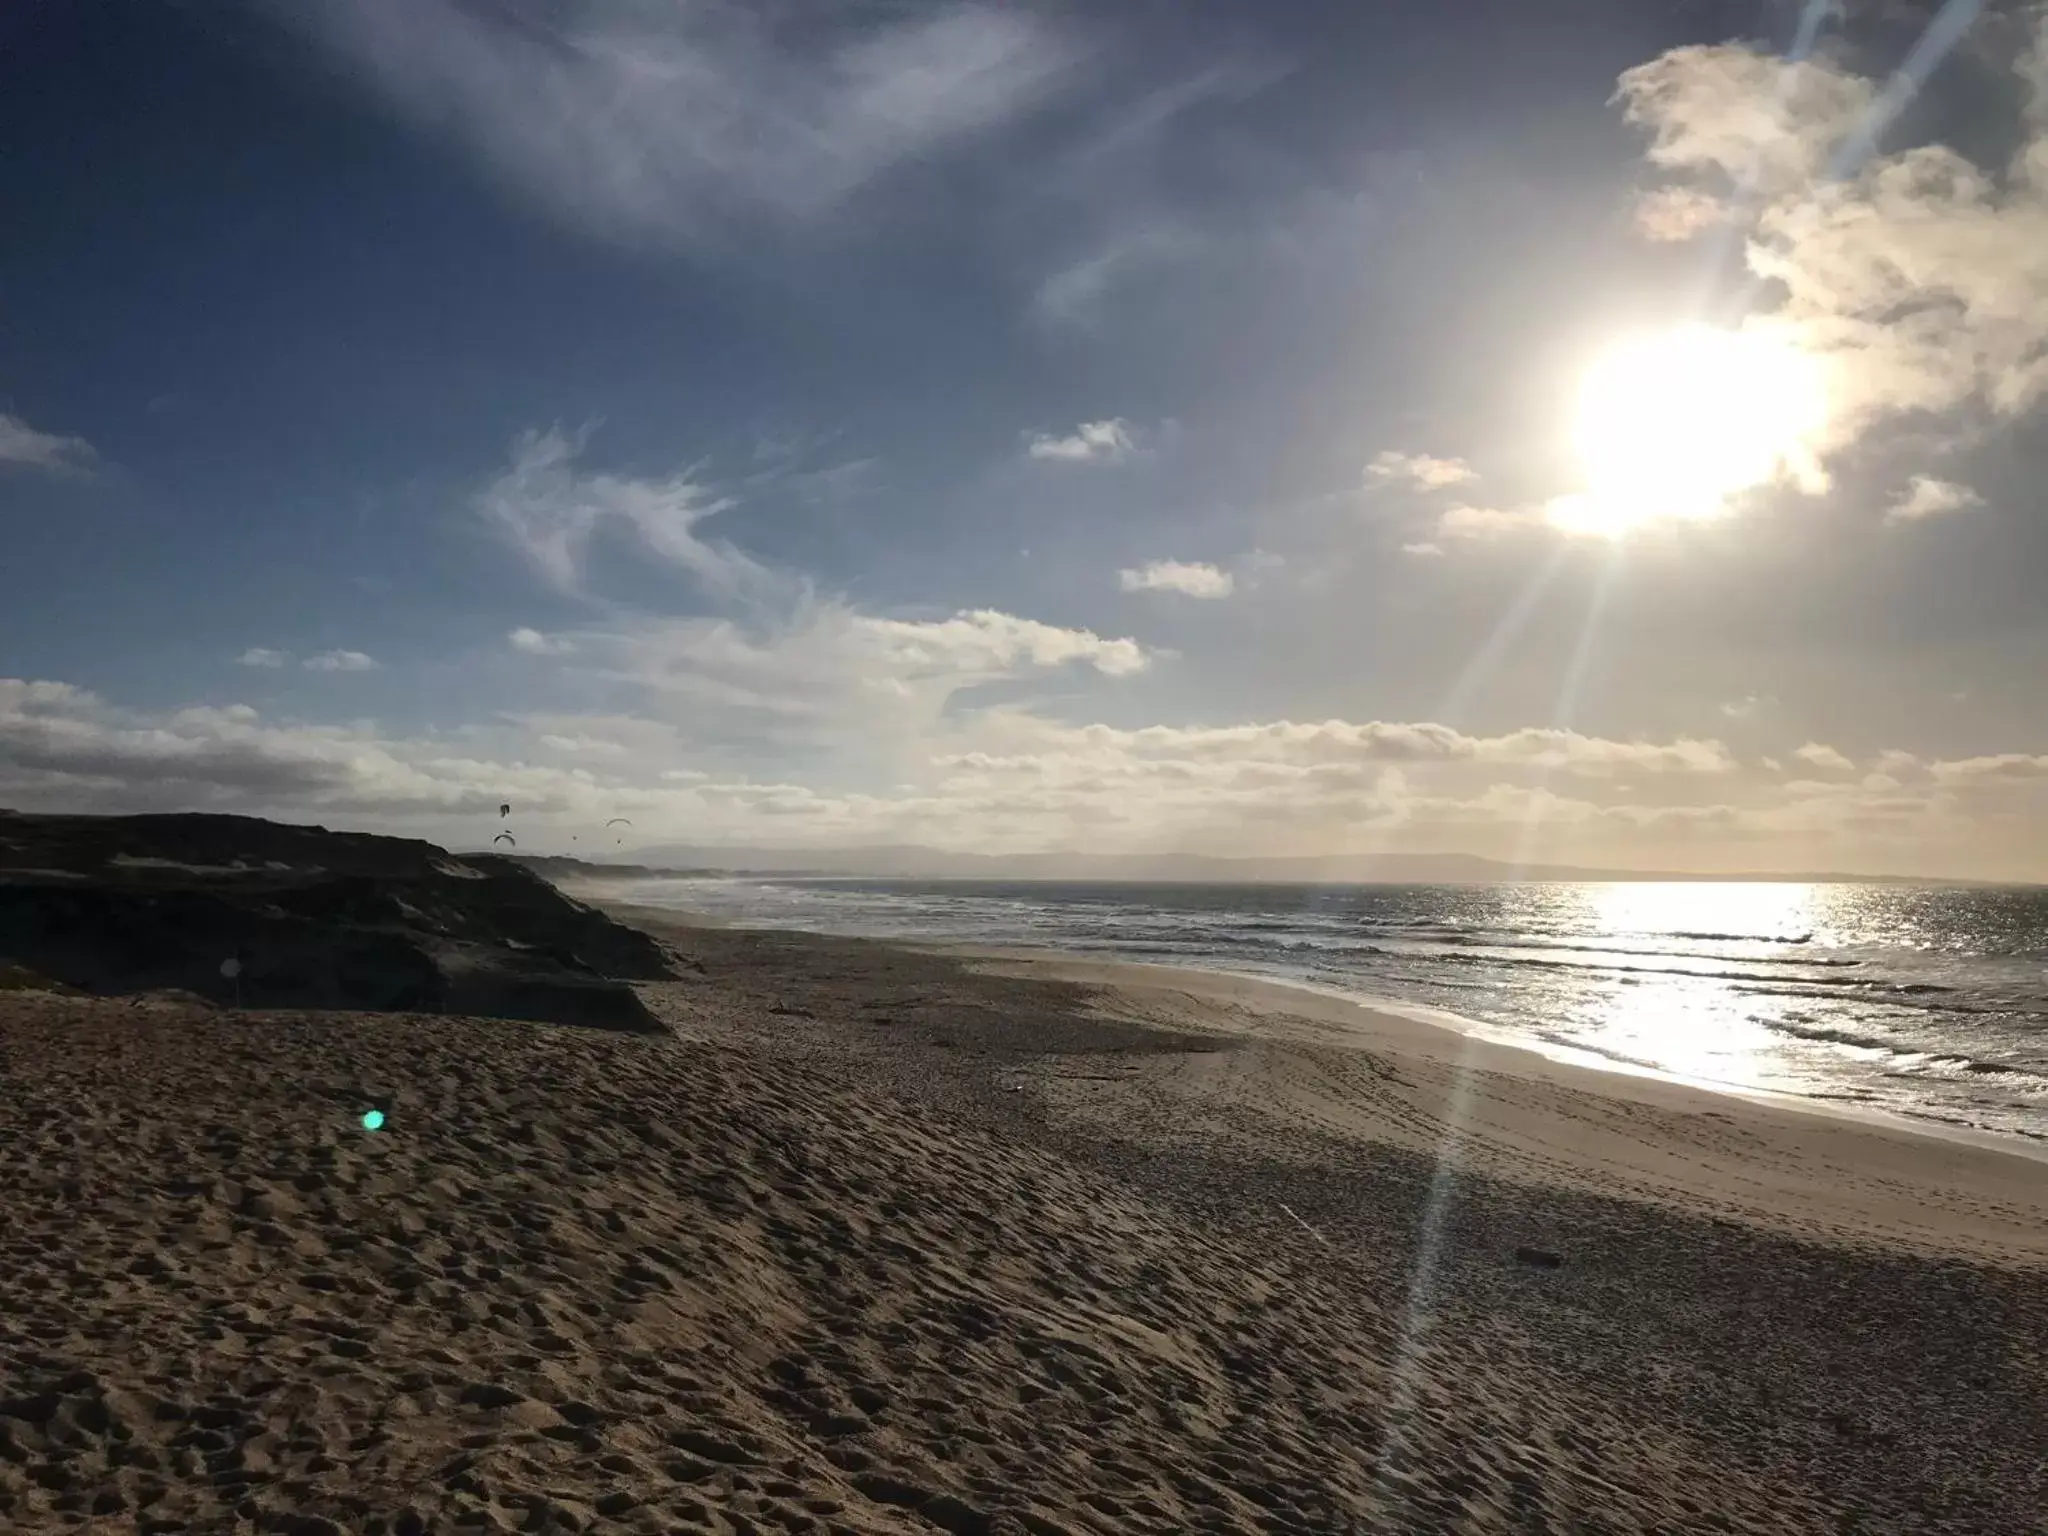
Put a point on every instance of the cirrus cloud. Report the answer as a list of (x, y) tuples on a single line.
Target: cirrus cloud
[(548, 510), (674, 125)]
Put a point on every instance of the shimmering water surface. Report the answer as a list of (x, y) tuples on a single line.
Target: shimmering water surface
[(1919, 1000)]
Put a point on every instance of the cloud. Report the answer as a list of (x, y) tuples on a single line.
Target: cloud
[(1817, 755), (830, 678), (1422, 471), (1742, 708), (56, 737), (1672, 214), (789, 669), (1463, 522), (260, 656), (1425, 549), (2003, 767), (983, 641), (1916, 278), (1926, 496), (1002, 777), (547, 510), (1074, 294), (676, 124), (534, 643), (1191, 580), (339, 661), (1093, 442), (1762, 122), (62, 747), (1331, 743), (23, 447)]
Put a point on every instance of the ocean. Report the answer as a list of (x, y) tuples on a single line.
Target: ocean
[(1928, 1002)]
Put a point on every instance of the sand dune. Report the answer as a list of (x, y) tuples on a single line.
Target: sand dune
[(872, 1242)]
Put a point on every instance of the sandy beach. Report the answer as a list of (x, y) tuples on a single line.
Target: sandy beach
[(884, 1240)]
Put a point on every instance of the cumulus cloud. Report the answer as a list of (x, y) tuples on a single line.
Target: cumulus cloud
[(671, 125), (1762, 122), (1918, 278), (985, 642), (339, 661), (1925, 496), (1422, 471), (829, 678), (56, 739), (23, 447), (1093, 442), (1672, 214), (1468, 524), (1189, 579), (262, 656), (1817, 755), (534, 643), (547, 509), (2005, 767), (1426, 549)]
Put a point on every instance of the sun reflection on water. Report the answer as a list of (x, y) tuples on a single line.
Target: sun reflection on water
[(1696, 1025), (1754, 912)]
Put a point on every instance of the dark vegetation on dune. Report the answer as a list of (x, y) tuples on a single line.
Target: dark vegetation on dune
[(316, 919)]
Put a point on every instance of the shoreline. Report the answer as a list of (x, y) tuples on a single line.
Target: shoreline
[(1302, 1074), (1571, 1058)]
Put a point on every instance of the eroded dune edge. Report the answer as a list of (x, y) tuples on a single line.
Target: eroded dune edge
[(873, 1240)]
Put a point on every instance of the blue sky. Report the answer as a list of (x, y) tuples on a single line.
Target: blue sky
[(1021, 426)]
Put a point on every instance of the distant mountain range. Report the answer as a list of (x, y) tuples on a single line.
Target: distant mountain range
[(909, 862)]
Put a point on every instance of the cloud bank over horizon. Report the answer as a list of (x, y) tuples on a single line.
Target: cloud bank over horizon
[(1010, 781)]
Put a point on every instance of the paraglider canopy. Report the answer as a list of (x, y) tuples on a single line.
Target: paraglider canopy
[(618, 821), (505, 837)]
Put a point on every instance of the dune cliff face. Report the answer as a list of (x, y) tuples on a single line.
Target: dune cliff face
[(314, 919)]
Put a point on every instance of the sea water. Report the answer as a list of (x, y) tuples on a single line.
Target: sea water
[(1925, 1001)]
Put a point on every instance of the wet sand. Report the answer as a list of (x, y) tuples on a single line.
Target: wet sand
[(879, 1240)]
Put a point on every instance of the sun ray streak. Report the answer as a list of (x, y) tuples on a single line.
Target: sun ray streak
[(1489, 653), (1406, 1372), (1946, 30), (1566, 708)]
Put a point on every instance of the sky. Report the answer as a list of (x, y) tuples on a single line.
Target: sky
[(1587, 431)]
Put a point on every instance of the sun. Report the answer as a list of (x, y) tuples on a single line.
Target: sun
[(1677, 424)]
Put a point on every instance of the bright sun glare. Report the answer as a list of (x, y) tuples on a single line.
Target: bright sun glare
[(1675, 425)]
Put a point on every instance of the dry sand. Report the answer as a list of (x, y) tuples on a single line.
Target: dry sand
[(886, 1241)]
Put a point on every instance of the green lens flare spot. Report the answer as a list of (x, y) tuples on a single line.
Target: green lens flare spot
[(373, 1119)]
